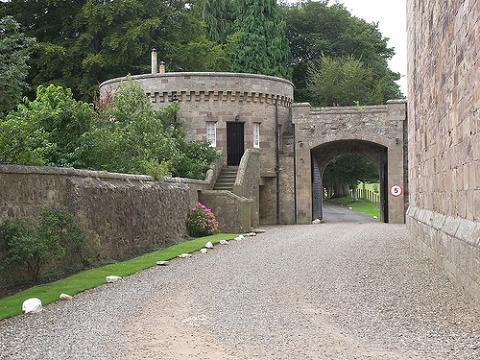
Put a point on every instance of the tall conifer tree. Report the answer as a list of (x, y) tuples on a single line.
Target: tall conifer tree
[(218, 16), (263, 47)]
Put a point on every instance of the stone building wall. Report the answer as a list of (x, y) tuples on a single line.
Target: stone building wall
[(444, 134)]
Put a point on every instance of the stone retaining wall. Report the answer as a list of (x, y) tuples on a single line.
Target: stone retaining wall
[(123, 215), (233, 212)]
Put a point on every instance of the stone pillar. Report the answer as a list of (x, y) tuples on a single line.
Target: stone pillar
[(300, 116), (396, 205)]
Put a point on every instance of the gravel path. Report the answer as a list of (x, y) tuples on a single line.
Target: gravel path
[(330, 291)]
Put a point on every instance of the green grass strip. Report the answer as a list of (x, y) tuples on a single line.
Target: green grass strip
[(89, 279), (361, 206)]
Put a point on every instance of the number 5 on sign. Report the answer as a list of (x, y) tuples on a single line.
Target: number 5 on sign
[(396, 190)]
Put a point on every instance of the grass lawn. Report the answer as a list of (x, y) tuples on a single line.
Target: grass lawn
[(370, 186), (88, 279), (360, 206)]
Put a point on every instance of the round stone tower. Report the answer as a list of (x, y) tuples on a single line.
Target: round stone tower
[(234, 112)]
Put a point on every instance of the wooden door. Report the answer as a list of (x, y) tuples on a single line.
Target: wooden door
[(235, 143)]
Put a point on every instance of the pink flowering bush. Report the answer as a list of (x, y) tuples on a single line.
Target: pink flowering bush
[(201, 221)]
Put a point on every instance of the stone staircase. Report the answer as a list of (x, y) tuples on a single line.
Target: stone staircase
[(227, 178)]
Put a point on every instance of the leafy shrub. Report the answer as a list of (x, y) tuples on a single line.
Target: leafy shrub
[(31, 246), (202, 221), (157, 170), (62, 226), (194, 160)]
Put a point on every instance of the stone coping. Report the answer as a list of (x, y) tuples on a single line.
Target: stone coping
[(226, 193), (51, 170), (198, 74), (343, 109), (459, 228), (349, 109), (242, 168)]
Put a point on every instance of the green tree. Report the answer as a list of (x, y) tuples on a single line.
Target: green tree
[(342, 82), (14, 53), (207, 55), (316, 29), (82, 43), (262, 45), (128, 135), (54, 25), (219, 17), (45, 131), (346, 171)]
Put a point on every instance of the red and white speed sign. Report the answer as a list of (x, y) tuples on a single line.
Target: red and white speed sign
[(396, 190)]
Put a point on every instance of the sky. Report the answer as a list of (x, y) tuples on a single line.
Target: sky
[(391, 18)]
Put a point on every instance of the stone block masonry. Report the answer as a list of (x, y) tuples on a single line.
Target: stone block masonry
[(444, 135), (123, 215)]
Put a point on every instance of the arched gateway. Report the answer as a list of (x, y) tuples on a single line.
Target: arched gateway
[(271, 148), (377, 132)]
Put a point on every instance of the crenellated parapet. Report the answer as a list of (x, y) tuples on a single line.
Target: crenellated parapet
[(225, 96), (210, 87)]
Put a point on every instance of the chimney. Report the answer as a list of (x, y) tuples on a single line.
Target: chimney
[(154, 61), (162, 67)]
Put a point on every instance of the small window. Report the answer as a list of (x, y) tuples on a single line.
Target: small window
[(256, 135), (212, 134)]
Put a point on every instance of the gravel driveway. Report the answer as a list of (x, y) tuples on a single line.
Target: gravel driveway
[(330, 291)]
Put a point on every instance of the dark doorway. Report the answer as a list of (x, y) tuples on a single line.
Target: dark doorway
[(384, 187), (235, 143)]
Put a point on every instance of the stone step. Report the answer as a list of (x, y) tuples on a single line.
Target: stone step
[(228, 177), (228, 181), (229, 188), (223, 183)]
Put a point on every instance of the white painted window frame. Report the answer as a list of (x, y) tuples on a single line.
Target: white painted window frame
[(256, 135), (212, 134)]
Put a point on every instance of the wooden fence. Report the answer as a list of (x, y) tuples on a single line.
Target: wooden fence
[(367, 195)]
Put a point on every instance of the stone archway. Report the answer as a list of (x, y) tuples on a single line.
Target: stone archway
[(323, 154), (371, 129)]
